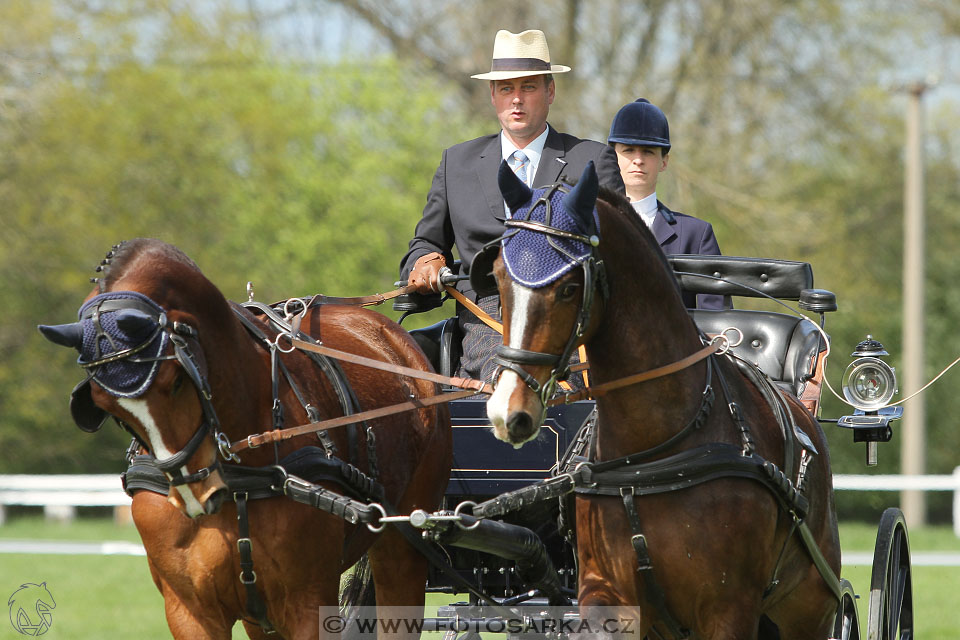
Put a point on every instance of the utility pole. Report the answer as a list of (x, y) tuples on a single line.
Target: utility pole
[(912, 452)]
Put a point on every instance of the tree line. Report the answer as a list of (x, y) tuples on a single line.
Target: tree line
[(236, 133)]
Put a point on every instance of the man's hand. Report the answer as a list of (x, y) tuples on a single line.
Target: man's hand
[(425, 275)]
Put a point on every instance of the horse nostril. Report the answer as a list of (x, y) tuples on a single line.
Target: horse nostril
[(519, 426), (215, 501)]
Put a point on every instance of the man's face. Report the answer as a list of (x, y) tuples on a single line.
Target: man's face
[(522, 105), (639, 168)]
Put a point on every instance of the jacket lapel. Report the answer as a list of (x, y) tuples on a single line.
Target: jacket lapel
[(487, 168), (664, 225), (552, 164)]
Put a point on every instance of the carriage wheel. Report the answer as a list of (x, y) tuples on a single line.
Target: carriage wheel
[(891, 590), (847, 624)]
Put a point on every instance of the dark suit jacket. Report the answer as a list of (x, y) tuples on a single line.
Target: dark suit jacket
[(464, 206), (680, 233)]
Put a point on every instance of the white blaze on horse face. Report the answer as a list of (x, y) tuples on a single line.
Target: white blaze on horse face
[(498, 406), (141, 411)]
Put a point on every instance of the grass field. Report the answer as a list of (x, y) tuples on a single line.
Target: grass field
[(101, 597)]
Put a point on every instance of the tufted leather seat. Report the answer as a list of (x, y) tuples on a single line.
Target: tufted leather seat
[(785, 347)]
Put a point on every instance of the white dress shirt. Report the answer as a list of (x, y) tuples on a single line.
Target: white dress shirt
[(647, 208), (533, 151)]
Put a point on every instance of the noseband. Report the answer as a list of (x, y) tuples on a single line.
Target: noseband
[(594, 277), (178, 334)]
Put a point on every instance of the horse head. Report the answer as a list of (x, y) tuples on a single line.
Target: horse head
[(547, 271), (141, 348)]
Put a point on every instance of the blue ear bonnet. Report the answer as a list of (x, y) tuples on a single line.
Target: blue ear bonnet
[(535, 259), (130, 329)]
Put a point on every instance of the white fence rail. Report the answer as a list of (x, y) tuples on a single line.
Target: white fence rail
[(59, 495), (905, 483)]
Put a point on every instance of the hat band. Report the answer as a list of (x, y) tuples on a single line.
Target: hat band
[(519, 64)]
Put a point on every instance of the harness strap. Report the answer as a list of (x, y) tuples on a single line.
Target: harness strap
[(654, 591), (659, 372), (361, 301), (255, 604), (260, 439), (477, 386)]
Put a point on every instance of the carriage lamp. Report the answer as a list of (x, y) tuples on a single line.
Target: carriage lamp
[(869, 383)]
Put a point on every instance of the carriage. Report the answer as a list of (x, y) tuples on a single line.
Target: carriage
[(786, 346), (721, 525)]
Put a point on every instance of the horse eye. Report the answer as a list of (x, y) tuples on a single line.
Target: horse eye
[(568, 291), (177, 383)]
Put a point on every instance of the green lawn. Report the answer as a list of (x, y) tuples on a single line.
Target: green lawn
[(113, 596)]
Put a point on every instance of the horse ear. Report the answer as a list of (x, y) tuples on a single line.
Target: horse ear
[(66, 335), (515, 193), (581, 200), (134, 322), (88, 416)]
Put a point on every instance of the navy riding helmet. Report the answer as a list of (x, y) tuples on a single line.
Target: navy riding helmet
[(640, 123)]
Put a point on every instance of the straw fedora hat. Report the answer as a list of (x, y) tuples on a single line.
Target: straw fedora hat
[(517, 55)]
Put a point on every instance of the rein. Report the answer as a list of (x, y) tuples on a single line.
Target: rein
[(471, 387), (361, 301)]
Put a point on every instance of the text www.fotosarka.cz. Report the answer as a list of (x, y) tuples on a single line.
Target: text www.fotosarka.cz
[(370, 621)]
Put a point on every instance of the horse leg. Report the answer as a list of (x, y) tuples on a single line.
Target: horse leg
[(808, 612), (399, 578), (185, 622)]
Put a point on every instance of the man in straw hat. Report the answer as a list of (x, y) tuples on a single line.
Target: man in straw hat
[(464, 206)]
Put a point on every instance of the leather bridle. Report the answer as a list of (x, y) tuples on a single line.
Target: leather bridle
[(178, 334), (594, 278)]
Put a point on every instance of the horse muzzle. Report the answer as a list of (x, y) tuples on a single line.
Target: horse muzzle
[(515, 412)]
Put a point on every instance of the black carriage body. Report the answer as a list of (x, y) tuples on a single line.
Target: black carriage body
[(484, 467)]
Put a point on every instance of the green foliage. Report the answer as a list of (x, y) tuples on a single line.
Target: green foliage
[(303, 180)]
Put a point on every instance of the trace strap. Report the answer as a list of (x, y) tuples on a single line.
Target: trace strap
[(472, 387)]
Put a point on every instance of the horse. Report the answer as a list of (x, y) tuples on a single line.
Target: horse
[(151, 300), (695, 499)]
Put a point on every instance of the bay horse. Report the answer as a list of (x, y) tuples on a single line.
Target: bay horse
[(151, 300), (712, 519)]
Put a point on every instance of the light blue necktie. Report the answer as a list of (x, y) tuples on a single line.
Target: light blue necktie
[(521, 162)]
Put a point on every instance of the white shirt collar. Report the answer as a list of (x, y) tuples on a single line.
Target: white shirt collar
[(647, 208), (533, 151)]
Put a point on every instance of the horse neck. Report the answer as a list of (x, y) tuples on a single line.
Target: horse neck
[(239, 373), (644, 326)]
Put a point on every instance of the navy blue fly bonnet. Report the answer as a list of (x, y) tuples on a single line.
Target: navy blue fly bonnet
[(121, 339), (551, 231)]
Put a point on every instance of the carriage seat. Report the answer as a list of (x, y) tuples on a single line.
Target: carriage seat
[(785, 347), (441, 343)]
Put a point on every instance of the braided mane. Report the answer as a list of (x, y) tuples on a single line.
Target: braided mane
[(120, 255)]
